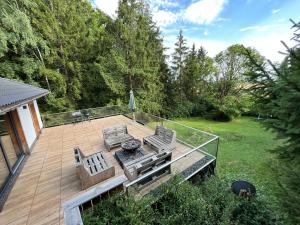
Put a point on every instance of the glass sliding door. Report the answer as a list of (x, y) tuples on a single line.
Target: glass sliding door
[(10, 150), (4, 171)]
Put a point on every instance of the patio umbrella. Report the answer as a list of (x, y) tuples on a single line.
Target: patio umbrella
[(131, 104)]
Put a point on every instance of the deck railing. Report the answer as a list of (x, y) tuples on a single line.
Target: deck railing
[(62, 118), (202, 154)]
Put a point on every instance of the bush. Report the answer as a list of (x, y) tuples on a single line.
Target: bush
[(210, 202)]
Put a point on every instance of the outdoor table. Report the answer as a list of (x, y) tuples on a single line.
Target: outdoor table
[(131, 150)]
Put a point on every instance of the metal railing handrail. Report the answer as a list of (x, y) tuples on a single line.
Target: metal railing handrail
[(195, 129), (194, 148), (173, 161), (109, 106)]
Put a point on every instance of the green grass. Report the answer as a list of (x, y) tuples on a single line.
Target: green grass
[(244, 152)]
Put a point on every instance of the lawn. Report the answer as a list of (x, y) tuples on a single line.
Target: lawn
[(244, 152)]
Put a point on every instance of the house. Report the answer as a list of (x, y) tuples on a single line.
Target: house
[(38, 170), (20, 127)]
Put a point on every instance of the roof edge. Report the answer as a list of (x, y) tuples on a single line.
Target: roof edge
[(30, 85), (25, 101)]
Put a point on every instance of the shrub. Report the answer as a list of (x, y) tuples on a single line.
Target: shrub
[(210, 202)]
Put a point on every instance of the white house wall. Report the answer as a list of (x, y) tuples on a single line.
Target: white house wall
[(27, 124), (36, 108)]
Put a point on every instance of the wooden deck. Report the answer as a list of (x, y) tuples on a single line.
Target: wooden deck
[(49, 177)]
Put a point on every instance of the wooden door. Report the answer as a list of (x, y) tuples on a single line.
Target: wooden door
[(34, 119)]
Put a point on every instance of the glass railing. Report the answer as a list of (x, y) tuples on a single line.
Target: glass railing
[(184, 134), (196, 149), (184, 166), (57, 119), (203, 149)]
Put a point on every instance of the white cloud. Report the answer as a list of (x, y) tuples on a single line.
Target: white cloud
[(259, 28), (204, 11), (222, 19), (156, 4), (213, 47), (274, 11), (269, 45), (205, 33), (109, 7), (281, 20), (267, 38), (164, 18), (249, 28), (199, 12)]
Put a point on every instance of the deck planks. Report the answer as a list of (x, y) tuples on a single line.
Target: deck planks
[(49, 176)]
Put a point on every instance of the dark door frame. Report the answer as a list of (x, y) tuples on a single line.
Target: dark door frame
[(13, 170)]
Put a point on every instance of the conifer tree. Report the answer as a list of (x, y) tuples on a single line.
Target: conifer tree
[(178, 60), (73, 33), (277, 90), (135, 56)]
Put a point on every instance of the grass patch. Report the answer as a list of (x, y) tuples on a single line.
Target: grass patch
[(245, 152)]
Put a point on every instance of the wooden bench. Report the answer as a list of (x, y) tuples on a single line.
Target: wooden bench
[(137, 168), (163, 139), (114, 136), (92, 169)]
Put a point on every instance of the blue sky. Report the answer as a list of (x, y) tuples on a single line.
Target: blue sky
[(216, 24)]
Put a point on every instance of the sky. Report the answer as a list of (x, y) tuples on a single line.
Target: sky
[(217, 24)]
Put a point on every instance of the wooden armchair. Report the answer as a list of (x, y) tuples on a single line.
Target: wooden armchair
[(114, 136), (163, 139), (92, 169)]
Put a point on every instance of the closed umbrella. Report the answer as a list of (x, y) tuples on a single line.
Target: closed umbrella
[(131, 104)]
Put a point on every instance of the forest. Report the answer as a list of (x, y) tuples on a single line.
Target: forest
[(88, 59)]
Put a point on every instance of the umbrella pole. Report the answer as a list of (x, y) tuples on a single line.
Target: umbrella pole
[(133, 116)]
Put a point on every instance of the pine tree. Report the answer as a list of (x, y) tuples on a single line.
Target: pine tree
[(74, 34), (178, 60), (190, 74), (135, 57), (277, 90)]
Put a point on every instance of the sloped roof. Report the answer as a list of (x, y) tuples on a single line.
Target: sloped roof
[(14, 93)]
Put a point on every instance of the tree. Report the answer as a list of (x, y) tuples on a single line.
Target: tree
[(197, 70), (74, 35), (21, 48), (229, 90), (178, 62), (135, 57), (277, 93)]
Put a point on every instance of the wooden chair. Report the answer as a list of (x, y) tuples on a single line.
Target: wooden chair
[(92, 169), (163, 139), (137, 168), (114, 136)]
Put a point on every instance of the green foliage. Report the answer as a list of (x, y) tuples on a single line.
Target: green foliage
[(213, 88), (229, 89), (84, 57), (277, 93), (137, 60), (209, 203), (20, 44)]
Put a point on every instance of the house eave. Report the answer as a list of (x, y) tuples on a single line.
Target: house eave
[(5, 109)]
